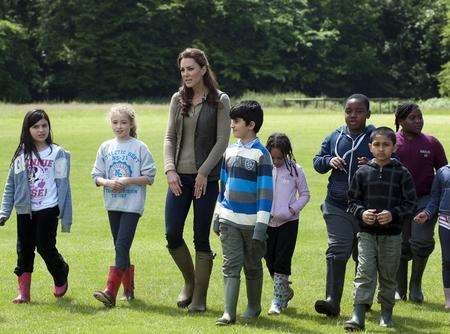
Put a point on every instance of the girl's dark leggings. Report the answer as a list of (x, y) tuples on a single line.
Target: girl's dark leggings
[(123, 226), (38, 231)]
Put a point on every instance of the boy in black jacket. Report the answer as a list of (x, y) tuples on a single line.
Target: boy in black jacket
[(381, 196)]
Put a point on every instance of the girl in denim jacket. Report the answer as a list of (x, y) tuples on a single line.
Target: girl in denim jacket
[(39, 189), (440, 204)]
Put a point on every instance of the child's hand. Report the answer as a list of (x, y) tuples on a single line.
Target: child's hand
[(421, 217), (292, 211), (369, 216), (384, 217), (338, 163), (2, 220), (124, 180), (362, 161), (115, 185)]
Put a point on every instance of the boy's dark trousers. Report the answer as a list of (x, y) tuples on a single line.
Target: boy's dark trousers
[(38, 231), (280, 247)]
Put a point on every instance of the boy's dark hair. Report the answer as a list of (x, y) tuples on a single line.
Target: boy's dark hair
[(248, 111), (402, 111), (282, 142), (360, 97), (384, 131)]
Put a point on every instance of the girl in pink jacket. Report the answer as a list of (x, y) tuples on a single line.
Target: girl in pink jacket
[(290, 195)]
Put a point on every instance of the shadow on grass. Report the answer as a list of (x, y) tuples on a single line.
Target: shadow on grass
[(429, 306), (141, 305), (263, 322), (71, 305), (404, 324)]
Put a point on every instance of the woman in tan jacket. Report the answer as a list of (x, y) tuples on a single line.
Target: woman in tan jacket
[(197, 135)]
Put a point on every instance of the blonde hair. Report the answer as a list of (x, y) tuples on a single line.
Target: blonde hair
[(125, 109)]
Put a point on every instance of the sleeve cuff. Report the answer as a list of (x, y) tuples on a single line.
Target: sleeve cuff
[(65, 228), (260, 232)]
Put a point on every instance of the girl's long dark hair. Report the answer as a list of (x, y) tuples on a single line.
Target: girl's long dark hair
[(402, 111), (282, 142), (209, 80), (26, 143)]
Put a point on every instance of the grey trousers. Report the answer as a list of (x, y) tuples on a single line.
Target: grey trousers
[(418, 239), (342, 228), (240, 250), (377, 254)]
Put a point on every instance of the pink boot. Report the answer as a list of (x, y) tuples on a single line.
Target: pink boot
[(128, 283), (59, 291), (108, 296), (24, 289)]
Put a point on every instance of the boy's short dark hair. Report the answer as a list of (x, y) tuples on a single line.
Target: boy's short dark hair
[(248, 111), (362, 98), (384, 131)]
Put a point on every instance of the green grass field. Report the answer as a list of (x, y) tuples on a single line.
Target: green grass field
[(89, 249)]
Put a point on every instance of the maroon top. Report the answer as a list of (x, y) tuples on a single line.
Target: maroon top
[(422, 155)]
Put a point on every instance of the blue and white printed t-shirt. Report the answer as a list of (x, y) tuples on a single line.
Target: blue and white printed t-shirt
[(41, 179), (124, 158)]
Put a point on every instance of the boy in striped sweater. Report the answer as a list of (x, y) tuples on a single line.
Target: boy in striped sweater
[(243, 210)]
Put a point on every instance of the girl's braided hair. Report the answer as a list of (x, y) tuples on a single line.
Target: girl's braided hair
[(402, 111), (282, 142)]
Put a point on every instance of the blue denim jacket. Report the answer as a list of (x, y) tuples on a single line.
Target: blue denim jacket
[(17, 190), (440, 193)]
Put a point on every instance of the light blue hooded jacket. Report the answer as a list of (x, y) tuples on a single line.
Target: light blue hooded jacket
[(17, 190)]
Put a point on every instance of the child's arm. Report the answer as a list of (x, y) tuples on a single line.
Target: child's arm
[(147, 170), (99, 174), (356, 204), (433, 204), (264, 196), (8, 197), (303, 191), (222, 183), (325, 160), (409, 199), (440, 159)]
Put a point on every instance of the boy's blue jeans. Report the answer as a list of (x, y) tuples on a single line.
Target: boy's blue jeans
[(177, 208), (377, 254)]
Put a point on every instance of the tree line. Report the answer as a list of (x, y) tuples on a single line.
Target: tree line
[(123, 49)]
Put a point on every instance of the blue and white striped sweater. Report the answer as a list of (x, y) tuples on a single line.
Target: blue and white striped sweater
[(245, 197)]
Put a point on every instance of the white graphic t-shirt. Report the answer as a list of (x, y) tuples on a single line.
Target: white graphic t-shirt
[(41, 179)]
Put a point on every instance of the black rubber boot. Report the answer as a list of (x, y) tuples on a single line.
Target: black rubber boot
[(357, 322), (386, 317), (402, 280), (331, 306), (415, 284)]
